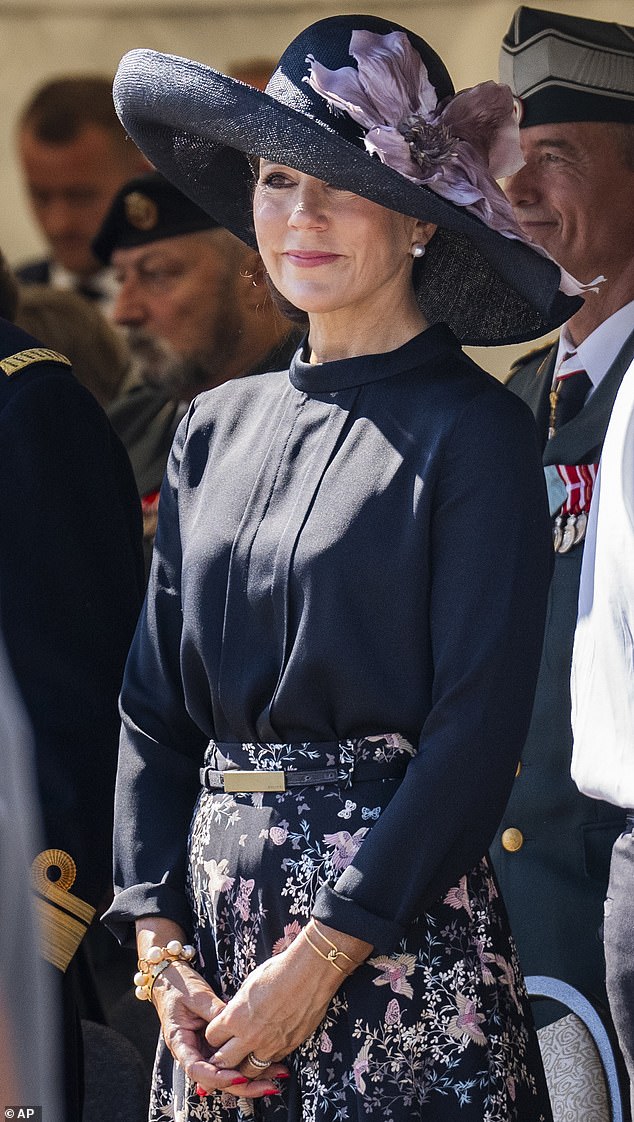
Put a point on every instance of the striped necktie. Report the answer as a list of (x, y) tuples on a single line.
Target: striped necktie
[(569, 392)]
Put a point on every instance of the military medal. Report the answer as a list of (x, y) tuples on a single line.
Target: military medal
[(580, 528), (568, 536), (569, 527)]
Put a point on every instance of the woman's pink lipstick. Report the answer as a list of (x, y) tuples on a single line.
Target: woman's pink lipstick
[(308, 259)]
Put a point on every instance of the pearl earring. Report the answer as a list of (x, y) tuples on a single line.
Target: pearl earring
[(417, 250)]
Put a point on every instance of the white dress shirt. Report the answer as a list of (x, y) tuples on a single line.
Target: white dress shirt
[(597, 353), (102, 282), (602, 682)]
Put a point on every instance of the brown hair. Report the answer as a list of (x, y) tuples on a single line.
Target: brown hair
[(62, 108), (68, 323), (295, 315)]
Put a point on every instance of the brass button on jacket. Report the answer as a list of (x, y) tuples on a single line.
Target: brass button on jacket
[(512, 839)]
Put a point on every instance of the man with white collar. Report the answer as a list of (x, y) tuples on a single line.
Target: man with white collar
[(574, 79)]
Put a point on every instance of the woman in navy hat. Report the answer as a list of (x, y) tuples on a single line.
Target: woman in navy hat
[(332, 679)]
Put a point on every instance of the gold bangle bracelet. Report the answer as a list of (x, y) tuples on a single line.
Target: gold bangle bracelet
[(353, 961), (156, 973), (327, 958), (333, 954), (144, 982)]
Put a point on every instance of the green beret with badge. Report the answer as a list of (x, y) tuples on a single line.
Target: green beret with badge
[(147, 209)]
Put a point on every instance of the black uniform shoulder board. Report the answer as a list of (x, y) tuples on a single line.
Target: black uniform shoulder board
[(530, 356), (14, 363)]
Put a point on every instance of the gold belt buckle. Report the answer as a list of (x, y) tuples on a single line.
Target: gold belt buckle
[(246, 781)]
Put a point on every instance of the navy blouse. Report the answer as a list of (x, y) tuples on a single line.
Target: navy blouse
[(345, 549)]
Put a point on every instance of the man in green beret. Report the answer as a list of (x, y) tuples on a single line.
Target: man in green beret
[(196, 313)]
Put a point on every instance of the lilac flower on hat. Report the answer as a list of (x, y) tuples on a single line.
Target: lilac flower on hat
[(457, 147)]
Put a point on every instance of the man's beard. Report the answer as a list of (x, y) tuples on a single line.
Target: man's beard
[(179, 376)]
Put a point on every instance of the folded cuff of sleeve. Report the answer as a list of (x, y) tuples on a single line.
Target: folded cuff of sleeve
[(345, 915), (145, 900)]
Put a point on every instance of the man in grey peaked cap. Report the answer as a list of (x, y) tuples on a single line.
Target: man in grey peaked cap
[(574, 79)]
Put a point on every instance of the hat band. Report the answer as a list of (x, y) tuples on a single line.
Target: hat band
[(554, 61)]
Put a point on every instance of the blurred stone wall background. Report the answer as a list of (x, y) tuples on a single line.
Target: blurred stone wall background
[(40, 39)]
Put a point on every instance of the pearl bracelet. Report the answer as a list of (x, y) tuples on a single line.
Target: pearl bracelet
[(156, 960)]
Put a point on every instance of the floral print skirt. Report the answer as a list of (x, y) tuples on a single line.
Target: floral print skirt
[(439, 1030)]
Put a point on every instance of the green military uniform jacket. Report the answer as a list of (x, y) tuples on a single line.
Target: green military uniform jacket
[(145, 419), (552, 851)]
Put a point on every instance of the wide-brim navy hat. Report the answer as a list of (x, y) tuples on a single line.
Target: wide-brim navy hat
[(199, 127)]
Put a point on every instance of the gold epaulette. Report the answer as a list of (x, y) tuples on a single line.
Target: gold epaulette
[(63, 918), (14, 363)]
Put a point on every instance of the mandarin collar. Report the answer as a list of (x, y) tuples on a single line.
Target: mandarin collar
[(328, 377)]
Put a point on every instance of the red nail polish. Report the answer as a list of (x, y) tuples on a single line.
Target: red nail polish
[(275, 1092), (200, 1091), (283, 1075), (242, 1079)]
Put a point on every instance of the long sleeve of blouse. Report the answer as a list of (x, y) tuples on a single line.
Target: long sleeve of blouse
[(343, 550)]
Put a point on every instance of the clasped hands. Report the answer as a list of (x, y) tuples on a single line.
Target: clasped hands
[(277, 1007)]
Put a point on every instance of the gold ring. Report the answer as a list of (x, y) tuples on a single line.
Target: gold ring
[(261, 1065)]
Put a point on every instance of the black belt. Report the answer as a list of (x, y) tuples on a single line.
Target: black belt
[(235, 781)]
